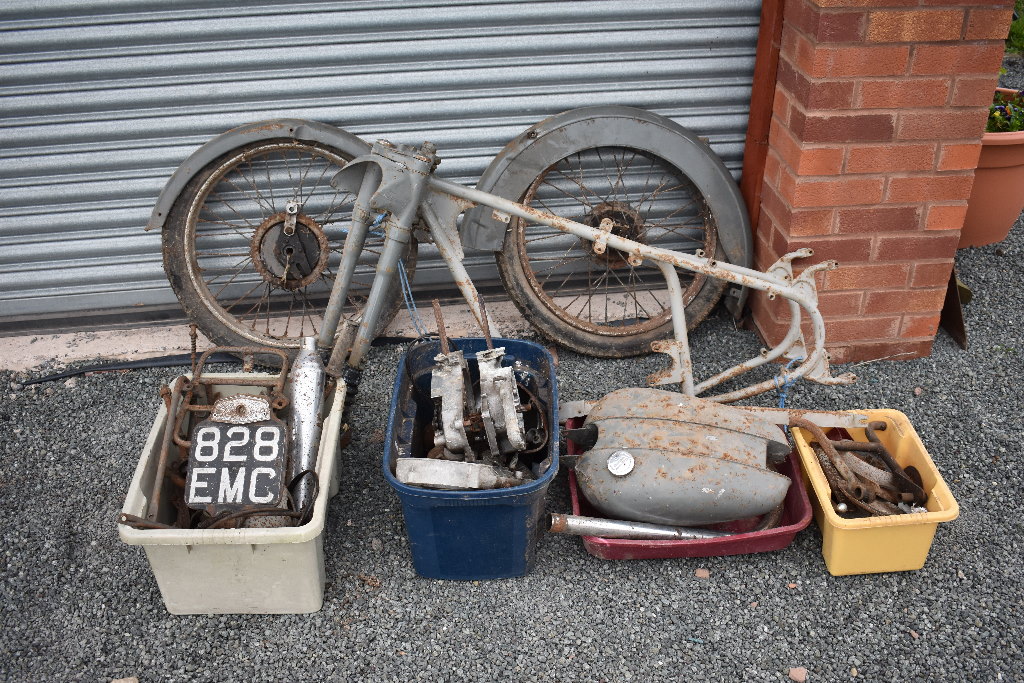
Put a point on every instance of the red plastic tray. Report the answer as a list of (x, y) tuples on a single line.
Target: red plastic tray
[(796, 515)]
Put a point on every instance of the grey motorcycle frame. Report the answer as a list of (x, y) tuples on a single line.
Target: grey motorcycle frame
[(399, 182)]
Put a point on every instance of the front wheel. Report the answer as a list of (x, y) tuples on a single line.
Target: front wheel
[(252, 242), (655, 185)]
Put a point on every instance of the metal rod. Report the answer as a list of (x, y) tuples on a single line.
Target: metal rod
[(907, 484), (614, 528), (822, 418), (350, 252), (725, 271), (486, 327), (682, 348), (791, 338), (170, 425), (441, 334), (863, 446), (342, 346), (451, 253), (379, 290)]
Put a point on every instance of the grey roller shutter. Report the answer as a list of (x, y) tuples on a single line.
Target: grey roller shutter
[(100, 101)]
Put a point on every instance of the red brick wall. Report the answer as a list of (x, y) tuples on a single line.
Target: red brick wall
[(878, 115)]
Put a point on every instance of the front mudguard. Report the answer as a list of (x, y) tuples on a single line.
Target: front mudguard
[(296, 129)]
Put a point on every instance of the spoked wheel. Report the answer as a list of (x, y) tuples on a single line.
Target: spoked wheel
[(253, 241), (598, 303)]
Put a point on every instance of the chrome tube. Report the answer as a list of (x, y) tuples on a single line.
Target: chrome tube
[(306, 395), (615, 528)]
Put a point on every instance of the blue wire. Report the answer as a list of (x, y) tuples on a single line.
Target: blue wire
[(410, 302), (403, 276), (377, 221), (788, 383), (786, 386)]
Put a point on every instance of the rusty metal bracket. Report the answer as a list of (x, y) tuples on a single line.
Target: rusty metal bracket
[(779, 280)]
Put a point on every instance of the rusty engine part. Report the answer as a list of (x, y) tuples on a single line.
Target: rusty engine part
[(236, 468), (667, 458), (486, 421), (863, 477)]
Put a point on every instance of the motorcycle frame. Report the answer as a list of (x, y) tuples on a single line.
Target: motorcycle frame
[(399, 181)]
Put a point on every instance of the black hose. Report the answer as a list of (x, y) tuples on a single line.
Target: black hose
[(157, 362)]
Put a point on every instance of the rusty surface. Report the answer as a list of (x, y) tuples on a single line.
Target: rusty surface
[(286, 257), (904, 481), (485, 324), (241, 409), (170, 424), (695, 461), (779, 280), (196, 397), (442, 335), (856, 483), (657, 405), (278, 400)]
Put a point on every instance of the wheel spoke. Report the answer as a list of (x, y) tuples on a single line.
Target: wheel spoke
[(557, 233), (270, 183), (611, 185), (328, 214), (240, 265), (269, 205), (579, 183), (649, 200), (318, 181), (256, 197), (692, 202), (243, 297), (302, 181), (233, 210), (622, 170), (307, 306)]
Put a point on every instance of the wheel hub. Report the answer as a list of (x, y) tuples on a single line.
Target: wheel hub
[(626, 223), (290, 257)]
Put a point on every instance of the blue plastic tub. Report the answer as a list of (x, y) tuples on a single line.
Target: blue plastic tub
[(468, 535)]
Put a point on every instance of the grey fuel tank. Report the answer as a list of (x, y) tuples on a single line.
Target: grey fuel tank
[(667, 458)]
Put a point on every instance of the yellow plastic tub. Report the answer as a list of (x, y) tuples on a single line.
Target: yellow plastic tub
[(879, 544)]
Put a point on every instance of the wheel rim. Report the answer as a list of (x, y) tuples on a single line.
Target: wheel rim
[(648, 200), (267, 279)]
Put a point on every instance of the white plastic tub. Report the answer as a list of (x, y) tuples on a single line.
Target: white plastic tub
[(236, 571)]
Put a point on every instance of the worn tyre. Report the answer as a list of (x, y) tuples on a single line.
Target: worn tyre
[(658, 184), (252, 241)]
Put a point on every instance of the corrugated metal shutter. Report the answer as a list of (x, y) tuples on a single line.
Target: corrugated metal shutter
[(102, 100)]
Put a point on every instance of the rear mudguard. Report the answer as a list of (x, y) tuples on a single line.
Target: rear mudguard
[(297, 129), (522, 160)]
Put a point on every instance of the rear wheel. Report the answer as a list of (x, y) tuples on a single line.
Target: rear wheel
[(252, 243), (600, 304)]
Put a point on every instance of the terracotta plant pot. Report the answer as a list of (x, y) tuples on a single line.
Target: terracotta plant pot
[(997, 197)]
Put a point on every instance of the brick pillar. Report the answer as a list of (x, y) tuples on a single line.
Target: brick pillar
[(878, 115)]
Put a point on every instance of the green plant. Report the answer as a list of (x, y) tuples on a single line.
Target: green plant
[(1006, 115), (1015, 41)]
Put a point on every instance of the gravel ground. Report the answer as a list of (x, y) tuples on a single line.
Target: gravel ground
[(1013, 77), (77, 604)]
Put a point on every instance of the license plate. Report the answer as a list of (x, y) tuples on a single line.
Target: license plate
[(236, 466)]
